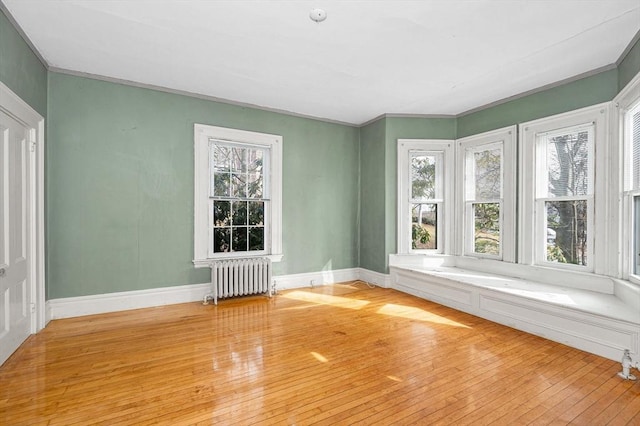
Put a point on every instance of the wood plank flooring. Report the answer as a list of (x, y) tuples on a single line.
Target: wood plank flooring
[(334, 355)]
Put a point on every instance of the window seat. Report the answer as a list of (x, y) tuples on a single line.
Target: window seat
[(604, 323)]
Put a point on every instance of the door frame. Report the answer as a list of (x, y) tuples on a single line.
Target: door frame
[(13, 105)]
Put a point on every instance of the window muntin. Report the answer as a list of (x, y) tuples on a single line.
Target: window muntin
[(483, 199), (564, 195), (426, 198), (238, 196)]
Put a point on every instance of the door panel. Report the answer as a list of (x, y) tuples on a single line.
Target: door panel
[(15, 289)]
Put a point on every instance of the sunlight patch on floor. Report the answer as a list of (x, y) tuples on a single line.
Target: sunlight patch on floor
[(319, 357), (326, 299), (410, 312)]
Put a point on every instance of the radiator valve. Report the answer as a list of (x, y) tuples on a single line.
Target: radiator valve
[(626, 366)]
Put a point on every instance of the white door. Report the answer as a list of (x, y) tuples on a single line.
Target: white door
[(15, 288)]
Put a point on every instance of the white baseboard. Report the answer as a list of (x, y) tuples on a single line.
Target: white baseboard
[(373, 277), (285, 282), (112, 302)]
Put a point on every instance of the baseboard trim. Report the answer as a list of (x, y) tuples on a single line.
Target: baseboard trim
[(309, 279), (373, 277), (69, 307)]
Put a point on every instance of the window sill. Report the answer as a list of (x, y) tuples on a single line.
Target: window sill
[(206, 263), (580, 280)]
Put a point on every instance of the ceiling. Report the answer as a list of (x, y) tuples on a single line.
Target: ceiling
[(368, 58)]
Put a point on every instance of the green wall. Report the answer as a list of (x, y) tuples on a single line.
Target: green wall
[(587, 91), (120, 187), (20, 69), (373, 253), (629, 66)]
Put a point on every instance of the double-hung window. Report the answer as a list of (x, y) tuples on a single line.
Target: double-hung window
[(425, 189), (634, 166), (237, 195), (631, 138), (560, 180), (626, 114), (426, 199), (564, 194), (486, 177)]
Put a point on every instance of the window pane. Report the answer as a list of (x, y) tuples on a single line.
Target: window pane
[(221, 158), (221, 184), (486, 220), (423, 177), (239, 213), (567, 232), (221, 213), (239, 239), (238, 186), (424, 219), (254, 187), (239, 159), (568, 164), (256, 213), (255, 159), (488, 176), (635, 147), (221, 240), (256, 238)]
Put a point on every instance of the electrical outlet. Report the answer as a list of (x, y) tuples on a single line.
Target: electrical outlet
[(313, 283)]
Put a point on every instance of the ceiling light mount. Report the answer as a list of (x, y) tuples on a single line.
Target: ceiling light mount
[(318, 15)]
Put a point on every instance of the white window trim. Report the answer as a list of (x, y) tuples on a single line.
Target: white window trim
[(445, 212), (506, 138), (623, 103), (202, 230), (600, 255)]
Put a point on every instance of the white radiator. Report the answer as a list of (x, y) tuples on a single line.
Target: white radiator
[(240, 277)]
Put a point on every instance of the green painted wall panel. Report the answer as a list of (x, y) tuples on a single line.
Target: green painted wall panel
[(372, 197), (588, 91), (20, 68), (120, 187), (630, 66)]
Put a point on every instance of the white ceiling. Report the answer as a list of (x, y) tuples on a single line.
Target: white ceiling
[(368, 58)]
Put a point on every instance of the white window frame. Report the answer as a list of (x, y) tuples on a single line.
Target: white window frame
[(445, 203), (506, 139), (203, 216), (626, 101), (532, 241)]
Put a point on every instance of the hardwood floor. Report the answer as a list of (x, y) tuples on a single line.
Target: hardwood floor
[(341, 354)]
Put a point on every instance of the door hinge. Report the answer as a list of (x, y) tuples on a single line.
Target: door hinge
[(33, 308), (32, 146)]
